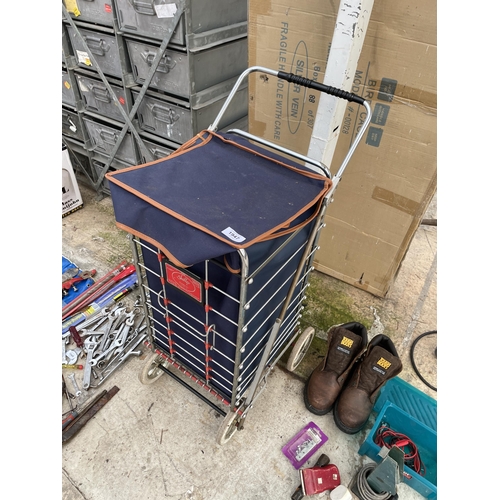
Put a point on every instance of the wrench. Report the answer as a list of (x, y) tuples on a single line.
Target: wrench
[(118, 342), (122, 337), (124, 356), (90, 347), (115, 319), (78, 392), (64, 351), (97, 359), (94, 328), (94, 318)]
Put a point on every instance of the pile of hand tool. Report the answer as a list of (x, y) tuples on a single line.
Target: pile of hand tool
[(99, 334)]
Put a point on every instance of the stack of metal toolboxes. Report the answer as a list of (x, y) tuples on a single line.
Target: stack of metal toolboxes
[(169, 65)]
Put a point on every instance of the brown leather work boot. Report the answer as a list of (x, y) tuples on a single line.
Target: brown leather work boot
[(379, 364), (345, 343)]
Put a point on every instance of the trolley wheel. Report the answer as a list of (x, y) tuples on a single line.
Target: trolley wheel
[(300, 348), (228, 427), (151, 372)]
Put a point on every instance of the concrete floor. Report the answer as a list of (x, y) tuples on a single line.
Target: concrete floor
[(159, 441)]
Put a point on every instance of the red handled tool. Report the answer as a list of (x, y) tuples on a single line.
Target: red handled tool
[(76, 336), (111, 280), (70, 283)]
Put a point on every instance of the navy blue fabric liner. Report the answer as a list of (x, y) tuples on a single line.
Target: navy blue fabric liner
[(188, 346), (215, 186)]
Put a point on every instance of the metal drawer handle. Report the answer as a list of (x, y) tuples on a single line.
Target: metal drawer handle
[(165, 115), (165, 65), (144, 7), (108, 137), (96, 45), (156, 153), (100, 93)]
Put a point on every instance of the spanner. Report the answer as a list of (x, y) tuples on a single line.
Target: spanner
[(64, 351), (115, 319), (122, 337), (78, 392), (94, 318), (124, 356), (90, 347), (117, 345)]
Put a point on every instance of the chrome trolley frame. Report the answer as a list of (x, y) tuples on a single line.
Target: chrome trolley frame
[(190, 348)]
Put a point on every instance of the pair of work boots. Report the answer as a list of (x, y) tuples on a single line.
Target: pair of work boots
[(350, 377)]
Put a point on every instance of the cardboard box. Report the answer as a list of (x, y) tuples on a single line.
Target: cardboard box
[(71, 197), (392, 176)]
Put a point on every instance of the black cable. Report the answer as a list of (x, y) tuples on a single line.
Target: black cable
[(412, 358)]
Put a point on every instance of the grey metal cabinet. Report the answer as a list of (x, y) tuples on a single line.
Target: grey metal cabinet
[(140, 77)]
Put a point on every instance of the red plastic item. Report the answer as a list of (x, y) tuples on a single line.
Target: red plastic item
[(317, 479)]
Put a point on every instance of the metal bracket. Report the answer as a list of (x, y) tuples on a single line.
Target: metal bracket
[(389, 473)]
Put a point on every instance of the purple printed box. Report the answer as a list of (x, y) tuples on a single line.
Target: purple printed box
[(304, 445)]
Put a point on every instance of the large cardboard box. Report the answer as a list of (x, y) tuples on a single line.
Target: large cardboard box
[(392, 176)]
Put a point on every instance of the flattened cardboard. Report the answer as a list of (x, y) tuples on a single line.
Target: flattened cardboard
[(71, 197), (392, 176)]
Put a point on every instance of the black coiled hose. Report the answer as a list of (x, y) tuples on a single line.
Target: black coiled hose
[(365, 489), (412, 358)]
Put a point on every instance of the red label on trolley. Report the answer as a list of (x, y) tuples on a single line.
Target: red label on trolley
[(185, 282)]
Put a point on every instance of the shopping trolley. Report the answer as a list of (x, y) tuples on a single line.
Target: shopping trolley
[(223, 233)]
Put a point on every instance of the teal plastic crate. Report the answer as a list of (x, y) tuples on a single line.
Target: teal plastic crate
[(411, 400), (409, 411)]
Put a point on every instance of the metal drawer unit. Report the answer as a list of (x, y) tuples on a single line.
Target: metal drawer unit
[(68, 95), (98, 168), (80, 160), (97, 99), (178, 123), (103, 139), (203, 22), (86, 165), (93, 11), (158, 148), (186, 73), (71, 125), (104, 48), (114, 43)]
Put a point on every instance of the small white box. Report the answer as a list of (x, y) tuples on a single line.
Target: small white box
[(71, 197)]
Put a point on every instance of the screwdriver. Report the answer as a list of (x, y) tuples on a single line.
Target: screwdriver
[(69, 418), (73, 367)]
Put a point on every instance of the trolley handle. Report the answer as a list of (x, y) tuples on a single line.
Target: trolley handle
[(327, 89), (305, 82)]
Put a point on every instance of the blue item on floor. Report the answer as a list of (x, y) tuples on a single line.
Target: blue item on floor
[(80, 286), (411, 400), (409, 411)]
